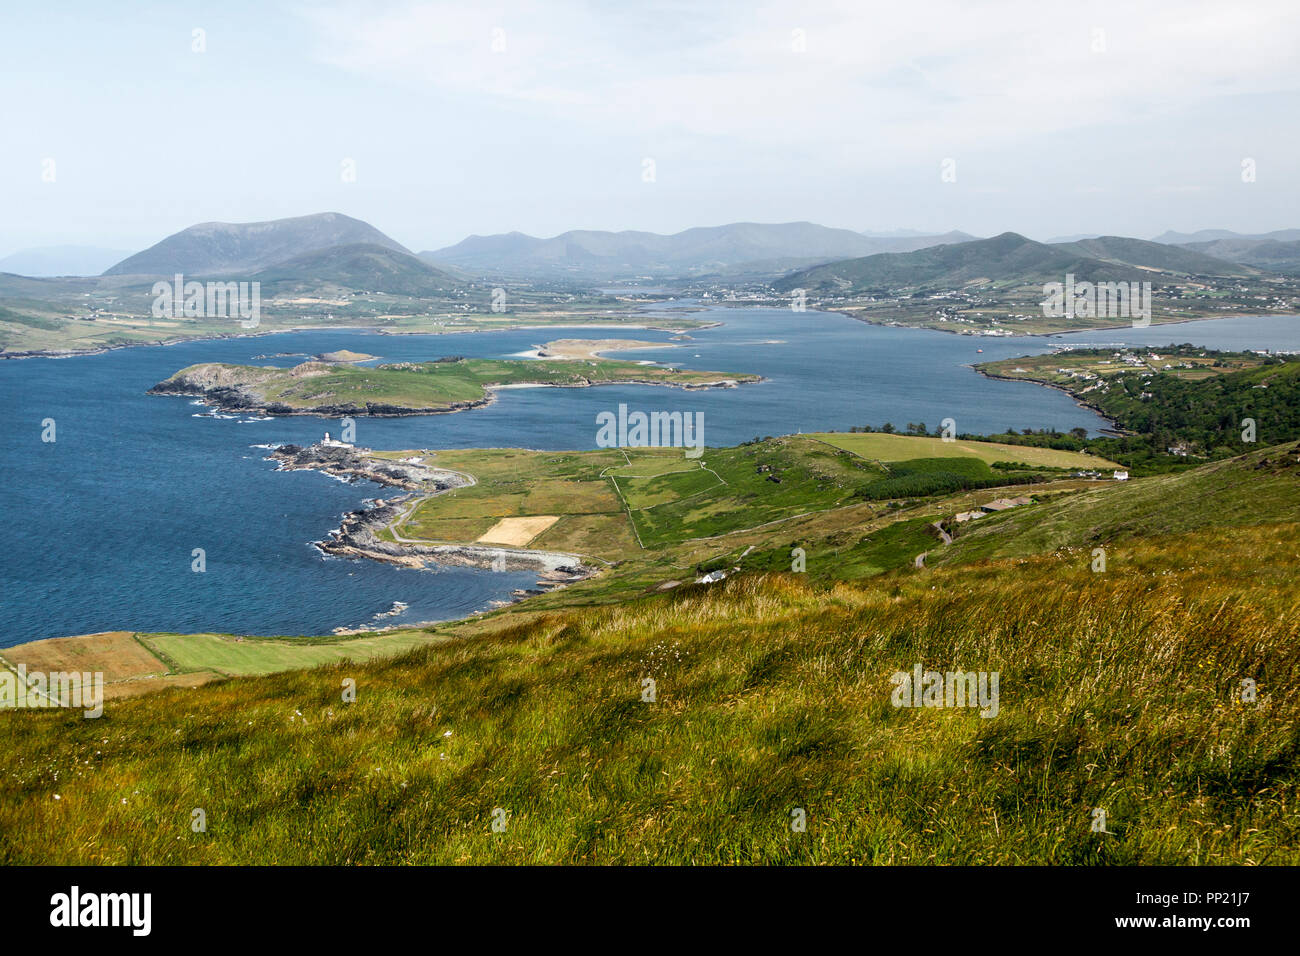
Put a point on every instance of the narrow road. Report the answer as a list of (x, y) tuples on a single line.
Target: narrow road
[(411, 506), (944, 535)]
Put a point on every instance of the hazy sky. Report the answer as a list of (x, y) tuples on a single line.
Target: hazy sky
[(1128, 117)]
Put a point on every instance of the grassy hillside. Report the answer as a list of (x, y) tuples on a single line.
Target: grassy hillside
[(1009, 257), (1154, 255), (1275, 255), (369, 267), (1118, 691), (1005, 257), (1257, 488)]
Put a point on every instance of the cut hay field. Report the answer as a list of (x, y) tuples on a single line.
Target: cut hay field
[(517, 531), (129, 666)]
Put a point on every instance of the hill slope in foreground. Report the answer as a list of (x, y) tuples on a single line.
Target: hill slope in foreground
[(1119, 691)]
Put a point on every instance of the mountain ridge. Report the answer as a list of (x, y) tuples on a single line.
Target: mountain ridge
[(732, 247), (364, 266), (209, 248), (1007, 257)]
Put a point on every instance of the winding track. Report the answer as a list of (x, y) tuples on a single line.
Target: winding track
[(405, 513)]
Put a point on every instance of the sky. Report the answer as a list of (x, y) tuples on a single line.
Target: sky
[(126, 122)]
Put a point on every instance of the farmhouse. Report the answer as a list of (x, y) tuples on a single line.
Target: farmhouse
[(1003, 504)]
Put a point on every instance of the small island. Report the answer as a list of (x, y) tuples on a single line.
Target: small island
[(342, 357), (448, 384)]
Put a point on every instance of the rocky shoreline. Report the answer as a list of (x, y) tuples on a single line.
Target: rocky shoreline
[(357, 534), (344, 461), (239, 399)]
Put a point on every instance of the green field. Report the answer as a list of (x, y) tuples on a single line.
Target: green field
[(514, 482), (238, 657), (879, 446), (636, 502)]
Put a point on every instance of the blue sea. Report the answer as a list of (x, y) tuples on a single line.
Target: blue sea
[(101, 523)]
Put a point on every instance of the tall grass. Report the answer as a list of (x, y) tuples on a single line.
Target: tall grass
[(1119, 691)]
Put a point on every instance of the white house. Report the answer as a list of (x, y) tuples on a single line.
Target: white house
[(1121, 476)]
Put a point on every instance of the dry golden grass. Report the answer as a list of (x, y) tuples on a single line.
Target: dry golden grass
[(116, 653), (129, 668)]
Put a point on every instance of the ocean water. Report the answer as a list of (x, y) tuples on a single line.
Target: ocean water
[(101, 523)]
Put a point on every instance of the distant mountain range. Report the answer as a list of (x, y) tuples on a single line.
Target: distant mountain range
[(1277, 251), (735, 249), (1152, 255), (1271, 254), (1208, 235), (45, 261), (224, 248), (334, 251), (1009, 257)]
